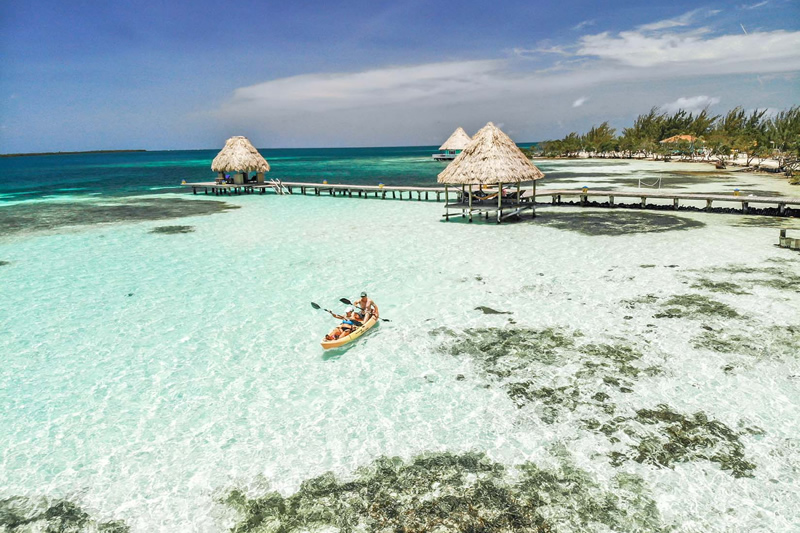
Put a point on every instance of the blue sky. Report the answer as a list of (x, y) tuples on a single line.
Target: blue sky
[(87, 75)]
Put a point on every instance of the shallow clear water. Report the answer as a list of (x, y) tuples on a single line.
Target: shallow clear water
[(146, 374)]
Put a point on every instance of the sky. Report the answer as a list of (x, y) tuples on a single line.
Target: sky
[(164, 75)]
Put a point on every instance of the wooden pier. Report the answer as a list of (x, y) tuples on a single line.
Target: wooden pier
[(788, 242), (784, 205), (582, 196), (331, 189)]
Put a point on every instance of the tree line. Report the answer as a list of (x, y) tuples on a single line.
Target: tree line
[(754, 135)]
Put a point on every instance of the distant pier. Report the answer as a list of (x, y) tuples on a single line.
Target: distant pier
[(776, 205)]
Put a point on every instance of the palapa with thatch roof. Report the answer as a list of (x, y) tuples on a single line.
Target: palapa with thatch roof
[(453, 145), (491, 158), (239, 157), (679, 138)]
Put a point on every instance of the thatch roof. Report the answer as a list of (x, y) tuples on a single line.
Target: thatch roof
[(457, 141), (679, 138), (490, 158), (239, 155)]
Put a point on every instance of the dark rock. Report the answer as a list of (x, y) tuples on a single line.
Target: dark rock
[(490, 311)]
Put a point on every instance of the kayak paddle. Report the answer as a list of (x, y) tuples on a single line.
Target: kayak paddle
[(316, 306), (345, 301)]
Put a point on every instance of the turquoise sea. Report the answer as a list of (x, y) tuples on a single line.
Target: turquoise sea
[(589, 370)]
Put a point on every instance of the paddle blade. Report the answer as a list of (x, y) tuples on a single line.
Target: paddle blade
[(345, 301), (315, 306)]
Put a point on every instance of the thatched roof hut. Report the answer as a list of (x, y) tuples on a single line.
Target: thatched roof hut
[(490, 158), (240, 157), (679, 138), (457, 141)]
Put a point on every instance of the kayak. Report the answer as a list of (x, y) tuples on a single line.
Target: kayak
[(359, 331)]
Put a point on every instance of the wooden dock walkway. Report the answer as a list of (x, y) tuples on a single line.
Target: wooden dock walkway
[(784, 205)]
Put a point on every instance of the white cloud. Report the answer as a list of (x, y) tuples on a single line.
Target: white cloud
[(684, 20), (639, 50), (397, 103), (442, 82), (754, 6), (583, 24), (531, 53), (693, 104)]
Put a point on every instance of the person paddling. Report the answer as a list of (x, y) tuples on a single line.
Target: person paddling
[(350, 321), (367, 306)]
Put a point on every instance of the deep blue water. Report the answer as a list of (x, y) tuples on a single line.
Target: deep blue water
[(116, 174)]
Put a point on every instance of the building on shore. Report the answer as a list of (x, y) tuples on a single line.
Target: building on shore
[(682, 144), (453, 145), (239, 158), (490, 161)]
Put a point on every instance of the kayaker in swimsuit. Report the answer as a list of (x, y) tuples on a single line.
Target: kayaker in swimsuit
[(350, 321), (367, 307)]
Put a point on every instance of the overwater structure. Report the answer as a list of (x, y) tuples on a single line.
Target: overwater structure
[(491, 160), (238, 158), (453, 145)]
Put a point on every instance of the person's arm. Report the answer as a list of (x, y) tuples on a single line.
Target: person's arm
[(336, 316), (375, 306)]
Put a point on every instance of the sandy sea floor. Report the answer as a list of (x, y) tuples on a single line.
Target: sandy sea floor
[(645, 365)]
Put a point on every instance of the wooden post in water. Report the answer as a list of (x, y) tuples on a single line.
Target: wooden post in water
[(470, 202), (499, 202), (446, 211)]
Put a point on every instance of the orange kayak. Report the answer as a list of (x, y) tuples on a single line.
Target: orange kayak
[(359, 331)]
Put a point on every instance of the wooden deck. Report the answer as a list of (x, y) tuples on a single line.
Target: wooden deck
[(556, 195), (784, 205), (331, 189)]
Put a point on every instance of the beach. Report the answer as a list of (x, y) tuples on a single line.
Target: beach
[(161, 350)]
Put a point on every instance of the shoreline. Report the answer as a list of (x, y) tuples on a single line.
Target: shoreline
[(771, 168)]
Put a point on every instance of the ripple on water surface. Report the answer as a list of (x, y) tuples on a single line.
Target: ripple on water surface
[(591, 381)]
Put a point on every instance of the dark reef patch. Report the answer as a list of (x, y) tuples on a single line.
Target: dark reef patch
[(4, 263), (501, 352), (694, 305), (666, 437), (516, 359), (521, 361), (617, 223), (28, 217), (633, 303), (780, 277), (775, 342), (490, 311), (172, 230), (763, 222), (23, 515), (718, 286), (445, 492)]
